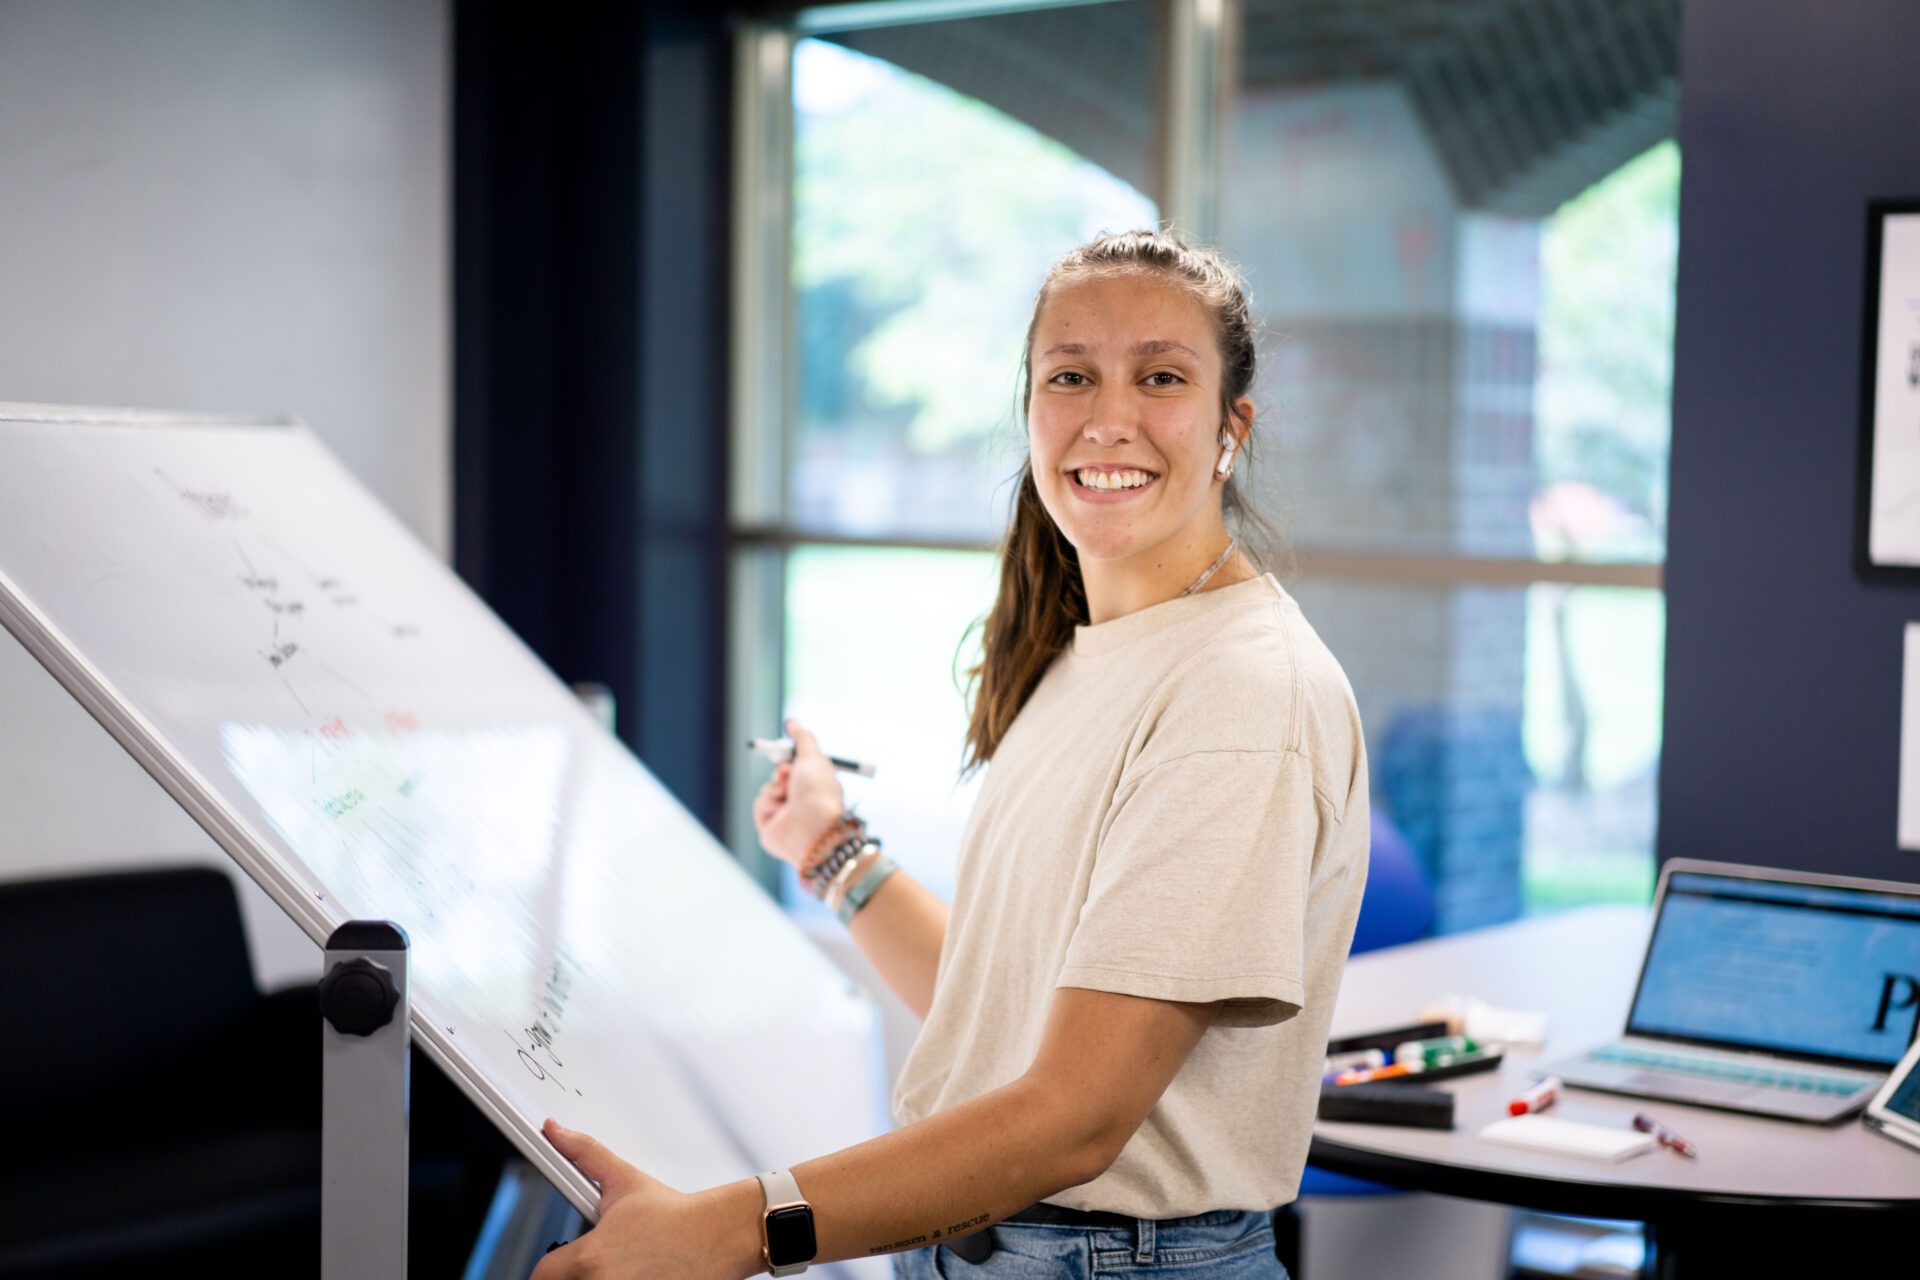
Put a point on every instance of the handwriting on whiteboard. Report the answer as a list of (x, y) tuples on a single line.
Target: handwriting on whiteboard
[(536, 1040), (215, 504), (432, 828), (284, 603)]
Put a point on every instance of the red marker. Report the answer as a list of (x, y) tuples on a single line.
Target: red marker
[(1665, 1136), (1538, 1098)]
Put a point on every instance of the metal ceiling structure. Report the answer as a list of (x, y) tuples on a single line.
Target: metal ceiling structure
[(1083, 74), (1527, 102), (1536, 100)]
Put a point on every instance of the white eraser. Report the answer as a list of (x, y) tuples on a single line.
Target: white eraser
[(1568, 1138)]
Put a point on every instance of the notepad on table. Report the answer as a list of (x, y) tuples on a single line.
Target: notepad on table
[(1567, 1138)]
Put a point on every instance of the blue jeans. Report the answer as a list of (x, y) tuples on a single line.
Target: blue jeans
[(1229, 1244)]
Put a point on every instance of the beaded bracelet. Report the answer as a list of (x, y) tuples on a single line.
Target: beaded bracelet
[(864, 889), (847, 824), (823, 868), (816, 877), (837, 887)]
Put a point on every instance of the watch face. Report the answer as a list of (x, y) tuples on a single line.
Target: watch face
[(790, 1235)]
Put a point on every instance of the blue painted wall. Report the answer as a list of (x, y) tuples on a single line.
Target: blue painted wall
[(1783, 668)]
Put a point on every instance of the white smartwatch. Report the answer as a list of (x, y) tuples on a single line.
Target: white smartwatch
[(787, 1242)]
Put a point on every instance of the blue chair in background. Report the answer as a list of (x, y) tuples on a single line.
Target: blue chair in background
[(1396, 907), (1398, 903)]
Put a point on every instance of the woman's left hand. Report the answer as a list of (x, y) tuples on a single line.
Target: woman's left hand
[(646, 1228)]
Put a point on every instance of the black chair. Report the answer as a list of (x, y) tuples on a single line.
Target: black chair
[(164, 1115)]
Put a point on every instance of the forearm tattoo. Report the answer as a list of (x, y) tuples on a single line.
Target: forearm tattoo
[(933, 1237)]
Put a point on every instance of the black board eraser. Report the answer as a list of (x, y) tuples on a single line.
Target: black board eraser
[(1383, 1103)]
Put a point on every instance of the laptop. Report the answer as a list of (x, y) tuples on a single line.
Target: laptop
[(1774, 992)]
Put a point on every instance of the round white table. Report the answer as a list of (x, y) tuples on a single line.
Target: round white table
[(1775, 1190)]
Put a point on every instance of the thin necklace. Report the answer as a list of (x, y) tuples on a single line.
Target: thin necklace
[(1212, 569)]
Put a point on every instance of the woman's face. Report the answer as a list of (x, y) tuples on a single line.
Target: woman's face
[(1124, 419)]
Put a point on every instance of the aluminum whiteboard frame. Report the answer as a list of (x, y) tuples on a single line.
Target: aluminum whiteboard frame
[(202, 802)]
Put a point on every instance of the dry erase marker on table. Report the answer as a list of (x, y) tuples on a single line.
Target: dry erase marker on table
[(1665, 1136), (1427, 1053), (1359, 1060), (1386, 1040), (1463, 1064), (1446, 1067), (780, 750), (1538, 1098), (1371, 1074)]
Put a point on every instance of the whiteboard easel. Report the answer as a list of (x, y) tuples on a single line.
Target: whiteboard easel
[(368, 741)]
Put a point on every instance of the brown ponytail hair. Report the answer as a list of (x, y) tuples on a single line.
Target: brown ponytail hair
[(1041, 597)]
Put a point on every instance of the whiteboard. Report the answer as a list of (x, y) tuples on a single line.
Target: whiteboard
[(368, 741)]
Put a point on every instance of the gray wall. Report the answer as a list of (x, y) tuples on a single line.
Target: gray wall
[(236, 205), (1783, 669)]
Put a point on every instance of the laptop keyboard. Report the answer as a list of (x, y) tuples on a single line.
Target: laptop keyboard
[(1736, 1070)]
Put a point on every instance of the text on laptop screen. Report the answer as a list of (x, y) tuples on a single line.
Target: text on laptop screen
[(1797, 968)]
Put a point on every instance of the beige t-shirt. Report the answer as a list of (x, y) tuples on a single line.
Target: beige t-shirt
[(1179, 812)]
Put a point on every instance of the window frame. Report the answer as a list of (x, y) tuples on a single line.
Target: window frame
[(1191, 96), (1194, 92)]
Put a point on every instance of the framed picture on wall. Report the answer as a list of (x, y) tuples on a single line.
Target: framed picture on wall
[(1888, 541)]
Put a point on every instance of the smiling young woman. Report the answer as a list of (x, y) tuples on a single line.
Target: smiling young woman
[(1125, 430), (1126, 1007)]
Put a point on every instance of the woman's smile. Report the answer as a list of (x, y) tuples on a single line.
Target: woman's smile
[(1125, 426), (1108, 484)]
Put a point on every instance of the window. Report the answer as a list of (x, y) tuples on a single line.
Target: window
[(928, 173), (1458, 222)]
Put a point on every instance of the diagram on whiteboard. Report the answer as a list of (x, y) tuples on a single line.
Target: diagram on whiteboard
[(367, 740)]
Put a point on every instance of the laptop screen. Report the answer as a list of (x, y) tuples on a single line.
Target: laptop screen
[(1806, 969)]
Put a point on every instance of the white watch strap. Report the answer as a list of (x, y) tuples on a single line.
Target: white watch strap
[(780, 1188)]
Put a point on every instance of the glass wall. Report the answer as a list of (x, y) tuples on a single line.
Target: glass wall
[(886, 685), (937, 169), (923, 221), (1459, 224)]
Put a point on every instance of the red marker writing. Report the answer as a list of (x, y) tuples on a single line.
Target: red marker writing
[(1538, 1098)]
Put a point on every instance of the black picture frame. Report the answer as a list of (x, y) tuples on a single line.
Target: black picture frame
[(1902, 571)]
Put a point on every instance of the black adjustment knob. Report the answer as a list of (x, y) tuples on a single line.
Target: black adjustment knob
[(358, 997)]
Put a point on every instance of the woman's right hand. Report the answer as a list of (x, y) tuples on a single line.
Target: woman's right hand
[(800, 803)]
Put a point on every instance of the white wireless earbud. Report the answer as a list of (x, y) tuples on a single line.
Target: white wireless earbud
[(1224, 467)]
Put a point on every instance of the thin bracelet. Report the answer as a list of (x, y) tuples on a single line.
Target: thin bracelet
[(863, 891), (836, 889)]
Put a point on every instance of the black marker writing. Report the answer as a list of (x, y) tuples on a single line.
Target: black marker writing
[(215, 504)]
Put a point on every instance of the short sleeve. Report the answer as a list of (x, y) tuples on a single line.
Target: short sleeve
[(1199, 886)]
